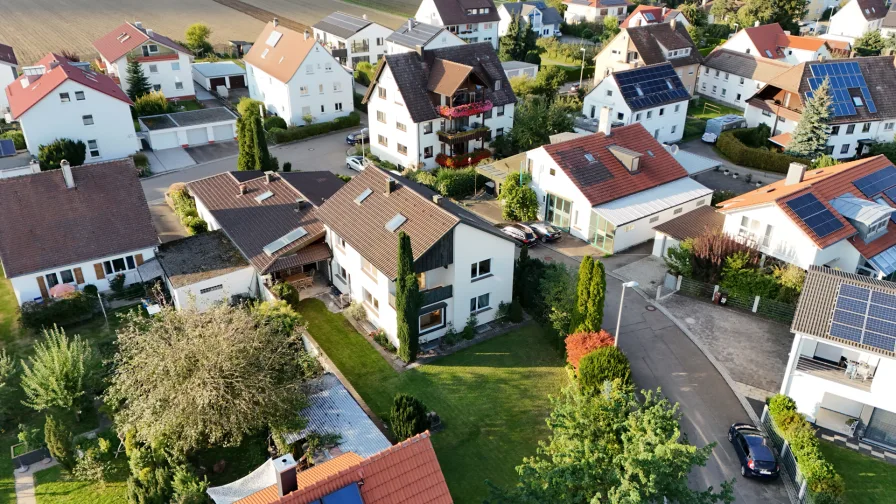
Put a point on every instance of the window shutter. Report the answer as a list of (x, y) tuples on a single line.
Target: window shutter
[(98, 269), (42, 285), (138, 259), (79, 277)]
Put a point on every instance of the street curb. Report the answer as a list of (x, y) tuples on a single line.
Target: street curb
[(792, 492)]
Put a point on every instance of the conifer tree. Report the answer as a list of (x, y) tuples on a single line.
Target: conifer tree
[(583, 289), (407, 301), (138, 83), (810, 137), (596, 296), (59, 442), (253, 145)]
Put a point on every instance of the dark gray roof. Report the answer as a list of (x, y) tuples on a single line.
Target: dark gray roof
[(219, 69), (454, 12), (872, 9), (411, 73), (649, 38), (341, 24), (317, 186), (890, 20), (549, 15), (191, 118), (411, 37), (200, 257)]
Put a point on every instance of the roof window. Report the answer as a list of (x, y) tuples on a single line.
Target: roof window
[(272, 248), (363, 196), (589, 157), (263, 196), (395, 222), (768, 53), (857, 101), (265, 53), (273, 38)]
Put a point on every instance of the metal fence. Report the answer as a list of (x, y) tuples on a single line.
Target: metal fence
[(786, 458), (766, 308)]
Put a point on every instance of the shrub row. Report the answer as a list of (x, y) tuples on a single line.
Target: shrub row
[(294, 133), (185, 208), (821, 477), (75, 307), (733, 147), (572, 73), (359, 98), (451, 183)]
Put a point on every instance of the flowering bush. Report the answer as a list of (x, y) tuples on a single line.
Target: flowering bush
[(461, 160), (582, 343), (465, 110)]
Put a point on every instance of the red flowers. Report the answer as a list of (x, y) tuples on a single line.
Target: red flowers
[(469, 109)]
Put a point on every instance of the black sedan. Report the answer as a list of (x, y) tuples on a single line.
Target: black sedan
[(753, 448), (358, 137), (522, 233), (545, 231)]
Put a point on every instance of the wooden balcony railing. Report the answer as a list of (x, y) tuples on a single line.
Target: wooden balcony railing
[(464, 136)]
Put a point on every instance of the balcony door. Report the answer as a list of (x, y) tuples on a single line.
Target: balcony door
[(558, 211), (882, 427)]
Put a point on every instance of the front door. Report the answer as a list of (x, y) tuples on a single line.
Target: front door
[(558, 212)]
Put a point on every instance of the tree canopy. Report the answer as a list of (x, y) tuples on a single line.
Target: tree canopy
[(138, 83), (537, 119), (56, 376), (197, 38), (518, 41), (788, 13), (810, 137), (253, 153), (407, 301)]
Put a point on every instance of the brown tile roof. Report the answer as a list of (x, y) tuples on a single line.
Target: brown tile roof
[(7, 55), (692, 224), (200, 257), (283, 60), (606, 179), (127, 37), (454, 12), (656, 12), (649, 38), (251, 225), (765, 38), (407, 473), (446, 76), (745, 65), (49, 225), (872, 9)]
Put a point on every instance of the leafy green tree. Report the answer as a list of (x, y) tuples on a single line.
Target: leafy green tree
[(188, 488), (583, 292), (755, 10), (519, 40), (150, 480), (247, 103), (51, 155), (537, 118), (788, 13), (153, 103), (611, 28), (253, 145), (7, 372), (870, 43), (197, 38), (520, 201), (138, 83), (604, 364), (810, 137), (407, 301), (724, 11), (56, 376), (188, 379), (612, 447), (407, 417), (694, 14), (58, 437), (597, 293)]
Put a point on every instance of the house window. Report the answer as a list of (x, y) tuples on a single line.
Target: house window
[(309, 69), (303, 90), (211, 289), (662, 111), (835, 130), (427, 128), (67, 276), (727, 75), (724, 91), (609, 92), (119, 265), (371, 302), (677, 107), (320, 88), (703, 86), (368, 268), (427, 152), (306, 110), (383, 140), (497, 85), (877, 226), (402, 149), (381, 116), (88, 120), (654, 219), (340, 244), (175, 66), (79, 95), (700, 202), (717, 73), (649, 114), (153, 68), (340, 273), (479, 303), (432, 320), (866, 127), (714, 88), (499, 132), (64, 97), (178, 85), (888, 126), (379, 41), (677, 211), (766, 113), (674, 127), (738, 97), (620, 116), (381, 92), (844, 148), (337, 87), (400, 127), (93, 149), (741, 81), (322, 109), (850, 129), (500, 111), (328, 67), (338, 107), (552, 172), (152, 48), (480, 269), (630, 227), (638, 116), (52, 280), (705, 71)]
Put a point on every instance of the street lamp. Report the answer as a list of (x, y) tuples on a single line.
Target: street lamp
[(621, 300), (818, 19), (582, 73)]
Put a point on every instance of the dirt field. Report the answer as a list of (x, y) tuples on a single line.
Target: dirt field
[(36, 27)]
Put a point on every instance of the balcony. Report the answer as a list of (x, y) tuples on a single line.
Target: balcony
[(430, 296), (856, 377), (364, 47), (465, 110), (462, 160), (464, 135)]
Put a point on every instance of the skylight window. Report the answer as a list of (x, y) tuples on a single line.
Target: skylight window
[(395, 222), (857, 101), (265, 53), (638, 89), (363, 196), (279, 243), (669, 83), (273, 38), (649, 16), (589, 157), (768, 53), (263, 196)]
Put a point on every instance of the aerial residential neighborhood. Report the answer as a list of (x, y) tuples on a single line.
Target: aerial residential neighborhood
[(447, 251)]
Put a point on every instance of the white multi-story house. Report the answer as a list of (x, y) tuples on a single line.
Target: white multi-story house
[(652, 96), (472, 20), (57, 99), (855, 19), (544, 20), (594, 11), (8, 73), (612, 187), (648, 14), (441, 107), (734, 77), (165, 63), (352, 39), (842, 364), (99, 211), (415, 36), (457, 279), (839, 217), (815, 9), (295, 77), (862, 110), (773, 42)]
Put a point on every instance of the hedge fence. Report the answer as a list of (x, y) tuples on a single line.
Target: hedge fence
[(730, 143), (294, 133)]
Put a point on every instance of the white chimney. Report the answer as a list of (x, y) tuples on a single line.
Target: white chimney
[(410, 24), (786, 32), (149, 33), (287, 478), (67, 174), (364, 17), (665, 9), (242, 189), (276, 22), (604, 125), (756, 23), (795, 174), (268, 177), (673, 23), (307, 34), (34, 165), (138, 24)]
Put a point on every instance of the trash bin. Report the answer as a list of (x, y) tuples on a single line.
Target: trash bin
[(490, 188)]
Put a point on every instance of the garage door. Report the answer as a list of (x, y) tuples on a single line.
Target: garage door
[(217, 81), (237, 81), (197, 136), (223, 133), (159, 141)]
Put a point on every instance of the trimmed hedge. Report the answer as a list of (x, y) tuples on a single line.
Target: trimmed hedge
[(733, 147), (358, 105), (604, 364), (75, 307), (294, 133), (272, 122)]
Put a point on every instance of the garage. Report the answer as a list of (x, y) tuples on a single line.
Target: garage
[(196, 127), (211, 76), (197, 136), (217, 82), (237, 82), (164, 141), (223, 132)]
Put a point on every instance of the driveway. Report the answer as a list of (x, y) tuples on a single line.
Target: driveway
[(166, 222), (213, 151), (166, 160), (704, 149)]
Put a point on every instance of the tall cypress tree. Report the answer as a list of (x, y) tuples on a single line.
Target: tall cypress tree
[(583, 289), (596, 297), (810, 137), (138, 83), (407, 301), (254, 154)]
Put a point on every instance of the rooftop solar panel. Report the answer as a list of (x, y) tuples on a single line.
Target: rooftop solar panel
[(651, 86), (878, 182), (814, 214), (866, 317), (842, 77), (7, 148)]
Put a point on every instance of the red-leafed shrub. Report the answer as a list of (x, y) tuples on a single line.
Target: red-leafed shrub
[(582, 343)]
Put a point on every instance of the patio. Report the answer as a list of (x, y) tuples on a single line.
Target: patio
[(831, 372)]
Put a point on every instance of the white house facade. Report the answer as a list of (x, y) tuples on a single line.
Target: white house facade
[(544, 21), (857, 18), (648, 14), (351, 39), (773, 42), (413, 35), (734, 77), (8, 74), (472, 21), (594, 11)]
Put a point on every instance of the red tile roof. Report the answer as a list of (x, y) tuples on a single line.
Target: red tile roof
[(765, 38), (7, 55), (804, 43), (58, 71), (407, 473), (128, 37), (657, 13), (607, 179)]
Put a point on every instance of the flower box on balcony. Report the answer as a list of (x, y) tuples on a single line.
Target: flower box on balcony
[(463, 136), (462, 160), (466, 110)]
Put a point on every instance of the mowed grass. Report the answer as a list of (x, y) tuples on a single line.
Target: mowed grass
[(54, 486), (492, 397), (868, 480)]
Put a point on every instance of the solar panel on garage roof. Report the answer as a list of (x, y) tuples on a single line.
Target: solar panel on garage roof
[(842, 77), (865, 316), (7, 148), (877, 182), (817, 217), (648, 86)]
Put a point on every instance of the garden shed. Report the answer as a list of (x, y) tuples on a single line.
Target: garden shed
[(220, 73), (184, 129)]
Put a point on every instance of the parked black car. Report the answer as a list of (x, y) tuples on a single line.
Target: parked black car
[(357, 137), (522, 233), (753, 448), (545, 231)]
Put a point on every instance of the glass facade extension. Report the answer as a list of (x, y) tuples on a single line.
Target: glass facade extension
[(882, 428), (602, 233)]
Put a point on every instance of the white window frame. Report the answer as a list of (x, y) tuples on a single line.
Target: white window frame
[(476, 269), (476, 305), (369, 301), (87, 119), (368, 268), (95, 148), (153, 69)]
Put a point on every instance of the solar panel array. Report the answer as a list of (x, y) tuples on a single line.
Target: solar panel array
[(842, 77), (865, 316), (877, 182), (7, 148), (815, 215), (650, 86)]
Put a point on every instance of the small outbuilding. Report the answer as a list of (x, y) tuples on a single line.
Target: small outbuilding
[(690, 225), (185, 129), (518, 68), (221, 73)]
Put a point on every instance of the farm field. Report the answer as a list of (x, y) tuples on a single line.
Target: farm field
[(36, 27)]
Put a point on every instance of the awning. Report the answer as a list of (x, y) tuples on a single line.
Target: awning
[(150, 269), (783, 139), (499, 170), (652, 201), (311, 254)]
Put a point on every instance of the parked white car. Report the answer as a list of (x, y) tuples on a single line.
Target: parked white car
[(354, 163)]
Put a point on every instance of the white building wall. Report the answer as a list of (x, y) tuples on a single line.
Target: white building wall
[(499, 286), (268, 90), (443, 39), (728, 88), (51, 119), (641, 230), (474, 32), (167, 75), (797, 56), (558, 184), (237, 282), (665, 123), (740, 42), (26, 287), (542, 29), (8, 74), (577, 13), (850, 22), (157, 137), (756, 116), (374, 34)]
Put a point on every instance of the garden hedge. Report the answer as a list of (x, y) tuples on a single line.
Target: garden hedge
[(730, 143), (572, 72), (604, 364), (74, 307), (294, 133)]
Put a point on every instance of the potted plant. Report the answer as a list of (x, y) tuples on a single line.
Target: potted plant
[(726, 171)]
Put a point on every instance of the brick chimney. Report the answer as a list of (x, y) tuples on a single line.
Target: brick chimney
[(67, 174), (307, 34), (390, 185), (276, 22), (242, 190)]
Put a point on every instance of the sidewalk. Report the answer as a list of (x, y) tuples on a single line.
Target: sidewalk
[(25, 482)]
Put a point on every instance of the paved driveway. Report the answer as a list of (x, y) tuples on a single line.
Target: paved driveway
[(213, 151), (166, 160)]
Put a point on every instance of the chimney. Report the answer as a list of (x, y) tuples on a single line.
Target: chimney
[(665, 10), (276, 22), (795, 174), (149, 33), (410, 24), (364, 17), (437, 199), (34, 165), (820, 57), (756, 23), (138, 24), (307, 34), (287, 478), (391, 185), (603, 125), (67, 174), (673, 23), (786, 32), (268, 177), (242, 189)]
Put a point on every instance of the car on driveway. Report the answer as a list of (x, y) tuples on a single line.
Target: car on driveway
[(545, 232), (354, 163), (754, 450), (357, 137), (522, 233)]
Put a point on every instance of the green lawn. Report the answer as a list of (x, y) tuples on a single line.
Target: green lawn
[(697, 109), (188, 105), (399, 8), (52, 486), (492, 397), (868, 480)]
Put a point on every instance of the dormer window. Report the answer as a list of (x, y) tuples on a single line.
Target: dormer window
[(497, 85), (877, 227)]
